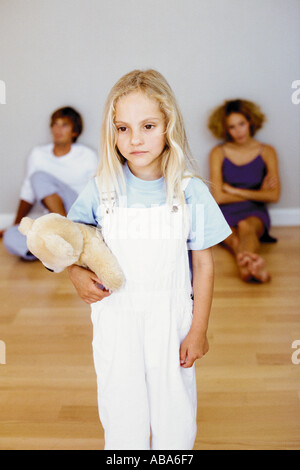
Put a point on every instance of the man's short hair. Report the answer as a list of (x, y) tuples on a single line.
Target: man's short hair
[(72, 115)]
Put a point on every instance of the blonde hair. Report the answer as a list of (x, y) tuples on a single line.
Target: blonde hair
[(251, 111), (176, 156)]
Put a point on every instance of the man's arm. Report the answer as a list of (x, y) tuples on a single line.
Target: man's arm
[(23, 210)]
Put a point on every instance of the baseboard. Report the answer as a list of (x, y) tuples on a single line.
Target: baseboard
[(6, 220), (285, 217), (279, 218)]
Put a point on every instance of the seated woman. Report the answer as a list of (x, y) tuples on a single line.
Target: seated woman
[(244, 177)]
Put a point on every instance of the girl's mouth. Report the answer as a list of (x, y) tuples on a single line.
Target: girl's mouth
[(138, 153)]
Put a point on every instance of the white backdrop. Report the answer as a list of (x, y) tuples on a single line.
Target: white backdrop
[(70, 52)]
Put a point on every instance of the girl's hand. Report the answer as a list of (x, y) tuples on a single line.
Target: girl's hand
[(194, 346), (85, 282)]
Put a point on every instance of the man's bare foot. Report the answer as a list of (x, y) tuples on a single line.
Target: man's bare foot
[(256, 266)]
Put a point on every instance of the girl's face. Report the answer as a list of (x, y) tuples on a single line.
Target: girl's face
[(238, 127), (141, 134)]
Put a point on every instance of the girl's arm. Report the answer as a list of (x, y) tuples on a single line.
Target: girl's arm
[(195, 344), (217, 184), (85, 283), (83, 211), (270, 189)]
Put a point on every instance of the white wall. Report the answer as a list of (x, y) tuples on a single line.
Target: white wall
[(71, 52)]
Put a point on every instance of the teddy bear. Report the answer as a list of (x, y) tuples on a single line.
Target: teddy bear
[(59, 242)]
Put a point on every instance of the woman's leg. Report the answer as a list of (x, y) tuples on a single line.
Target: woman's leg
[(250, 264), (244, 244), (232, 242)]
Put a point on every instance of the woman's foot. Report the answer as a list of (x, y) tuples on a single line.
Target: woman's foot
[(258, 269), (252, 267), (243, 262)]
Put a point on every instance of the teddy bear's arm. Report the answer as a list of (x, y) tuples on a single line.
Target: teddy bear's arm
[(97, 256)]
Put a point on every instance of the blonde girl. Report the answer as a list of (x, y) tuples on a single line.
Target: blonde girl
[(161, 222), (244, 177)]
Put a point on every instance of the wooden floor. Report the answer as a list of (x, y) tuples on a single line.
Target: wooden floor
[(248, 387)]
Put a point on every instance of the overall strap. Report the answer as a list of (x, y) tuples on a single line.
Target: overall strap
[(104, 195), (185, 181), (108, 203)]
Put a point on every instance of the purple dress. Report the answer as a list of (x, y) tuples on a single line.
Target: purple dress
[(248, 176)]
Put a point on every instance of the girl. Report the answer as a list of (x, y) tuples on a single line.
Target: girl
[(148, 335), (244, 176)]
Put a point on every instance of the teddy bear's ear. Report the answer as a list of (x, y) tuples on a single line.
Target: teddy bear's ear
[(58, 245), (25, 225)]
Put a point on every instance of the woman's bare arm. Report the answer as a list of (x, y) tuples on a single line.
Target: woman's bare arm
[(217, 184), (270, 189)]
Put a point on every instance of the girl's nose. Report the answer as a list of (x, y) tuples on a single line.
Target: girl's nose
[(136, 138)]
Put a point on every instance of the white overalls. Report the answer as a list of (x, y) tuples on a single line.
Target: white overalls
[(138, 330)]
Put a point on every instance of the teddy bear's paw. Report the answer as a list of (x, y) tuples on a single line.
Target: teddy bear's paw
[(114, 282), (25, 225)]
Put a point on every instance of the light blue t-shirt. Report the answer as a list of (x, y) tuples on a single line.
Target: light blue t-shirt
[(208, 225)]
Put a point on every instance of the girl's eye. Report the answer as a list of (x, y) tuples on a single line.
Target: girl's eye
[(149, 126), (122, 129)]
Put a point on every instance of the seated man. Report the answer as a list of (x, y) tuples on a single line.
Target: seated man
[(56, 174)]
